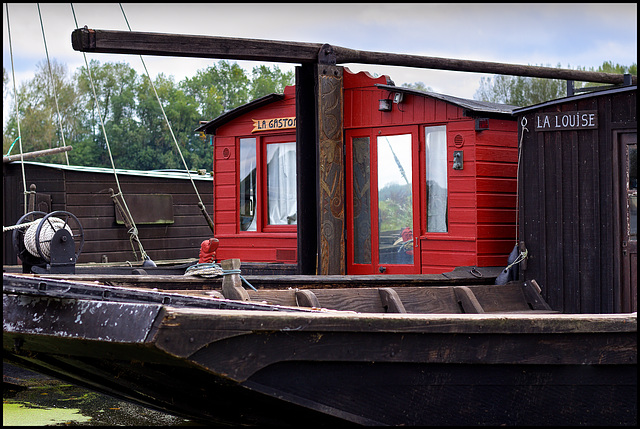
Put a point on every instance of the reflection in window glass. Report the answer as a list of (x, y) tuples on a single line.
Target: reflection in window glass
[(395, 199), (361, 201), (248, 193), (281, 183), (633, 192), (436, 175)]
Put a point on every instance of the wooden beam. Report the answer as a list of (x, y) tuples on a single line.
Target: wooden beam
[(344, 55), (181, 45), (30, 155)]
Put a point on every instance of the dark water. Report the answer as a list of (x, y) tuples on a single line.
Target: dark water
[(30, 399)]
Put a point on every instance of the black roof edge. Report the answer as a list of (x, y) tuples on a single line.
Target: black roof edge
[(576, 97), (211, 126), (469, 105)]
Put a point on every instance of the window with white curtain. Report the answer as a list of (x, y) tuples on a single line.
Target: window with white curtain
[(281, 184), (436, 176), (268, 183), (248, 185)]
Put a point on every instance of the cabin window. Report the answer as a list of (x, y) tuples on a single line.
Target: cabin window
[(248, 184), (436, 176), (268, 183), (281, 184)]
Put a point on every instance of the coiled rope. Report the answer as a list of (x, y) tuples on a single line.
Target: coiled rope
[(47, 232), (210, 270), (22, 225)]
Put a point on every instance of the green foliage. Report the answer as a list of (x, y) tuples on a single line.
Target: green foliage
[(395, 209), (526, 91), (134, 124), (269, 80), (419, 86), (39, 122), (609, 67)]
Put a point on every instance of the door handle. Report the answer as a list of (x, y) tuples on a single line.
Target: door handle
[(382, 269)]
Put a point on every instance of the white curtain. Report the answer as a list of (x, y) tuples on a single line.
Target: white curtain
[(436, 165), (281, 182)]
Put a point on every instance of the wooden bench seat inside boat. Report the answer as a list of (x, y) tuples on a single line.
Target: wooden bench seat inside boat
[(514, 297), (510, 298)]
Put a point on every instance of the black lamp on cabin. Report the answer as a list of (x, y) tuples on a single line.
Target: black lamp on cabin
[(385, 105)]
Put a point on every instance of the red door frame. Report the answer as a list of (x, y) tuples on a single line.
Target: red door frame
[(416, 185)]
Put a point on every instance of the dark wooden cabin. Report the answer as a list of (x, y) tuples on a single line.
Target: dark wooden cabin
[(422, 182), (164, 207), (578, 200)]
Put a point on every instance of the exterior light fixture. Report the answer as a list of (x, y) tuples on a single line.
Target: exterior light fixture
[(385, 105), (458, 163)]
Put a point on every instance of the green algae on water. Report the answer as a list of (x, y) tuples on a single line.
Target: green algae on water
[(14, 414)]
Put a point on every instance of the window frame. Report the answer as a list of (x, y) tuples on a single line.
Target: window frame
[(261, 203), (423, 180)]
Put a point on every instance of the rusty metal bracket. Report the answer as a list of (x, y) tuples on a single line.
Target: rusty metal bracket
[(326, 55)]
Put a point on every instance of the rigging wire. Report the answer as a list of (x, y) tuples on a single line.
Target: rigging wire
[(53, 87), (15, 96), (133, 231), (201, 204), (524, 128)]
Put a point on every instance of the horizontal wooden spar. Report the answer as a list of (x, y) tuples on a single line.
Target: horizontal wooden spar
[(184, 45), (345, 55), (181, 45), (30, 155)]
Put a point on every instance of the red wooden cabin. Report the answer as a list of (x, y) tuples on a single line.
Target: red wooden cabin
[(430, 179)]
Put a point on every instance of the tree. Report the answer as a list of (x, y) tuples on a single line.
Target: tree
[(609, 67), (183, 116), (526, 91), (267, 80), (418, 86), (218, 88), (520, 91), (134, 125), (5, 82), (115, 89), (39, 122)]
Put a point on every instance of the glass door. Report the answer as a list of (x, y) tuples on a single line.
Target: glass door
[(628, 203), (382, 199)]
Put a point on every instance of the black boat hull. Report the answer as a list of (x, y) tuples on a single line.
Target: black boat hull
[(292, 368)]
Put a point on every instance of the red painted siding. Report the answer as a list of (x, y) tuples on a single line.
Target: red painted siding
[(248, 246), (482, 196)]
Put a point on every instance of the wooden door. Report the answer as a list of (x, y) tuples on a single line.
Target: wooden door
[(628, 197), (382, 201)]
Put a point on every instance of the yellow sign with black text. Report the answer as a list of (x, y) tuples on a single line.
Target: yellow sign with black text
[(273, 124)]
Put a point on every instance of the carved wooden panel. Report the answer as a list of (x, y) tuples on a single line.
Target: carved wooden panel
[(331, 171)]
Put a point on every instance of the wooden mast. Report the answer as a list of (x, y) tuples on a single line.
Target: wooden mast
[(180, 45)]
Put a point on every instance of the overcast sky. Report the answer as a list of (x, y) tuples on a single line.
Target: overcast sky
[(573, 34)]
